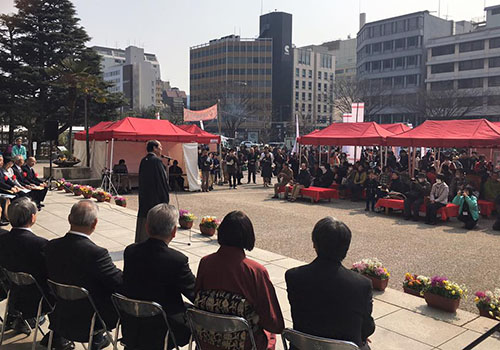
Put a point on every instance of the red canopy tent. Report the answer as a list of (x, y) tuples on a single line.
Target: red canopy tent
[(348, 134), (396, 128), (100, 126), (202, 136), (449, 133)]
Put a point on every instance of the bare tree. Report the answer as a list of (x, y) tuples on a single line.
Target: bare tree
[(446, 104)]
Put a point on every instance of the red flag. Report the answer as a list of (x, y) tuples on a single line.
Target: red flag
[(196, 116)]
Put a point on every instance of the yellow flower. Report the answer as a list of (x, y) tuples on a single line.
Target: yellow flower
[(453, 292)]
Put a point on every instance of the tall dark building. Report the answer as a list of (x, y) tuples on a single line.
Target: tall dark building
[(278, 27)]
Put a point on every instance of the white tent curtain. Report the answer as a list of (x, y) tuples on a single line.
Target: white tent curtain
[(191, 166)]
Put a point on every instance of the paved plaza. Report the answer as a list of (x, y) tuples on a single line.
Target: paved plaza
[(403, 321)]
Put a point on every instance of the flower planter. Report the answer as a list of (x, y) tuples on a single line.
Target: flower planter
[(87, 195), (77, 192), (186, 224), (442, 303), (207, 231), (121, 203), (67, 189), (377, 283), (100, 198), (485, 313), (107, 199), (412, 292)]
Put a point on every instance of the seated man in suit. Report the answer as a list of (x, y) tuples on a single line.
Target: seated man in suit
[(32, 176), (22, 251), (327, 299), (38, 192), (75, 260), (155, 272)]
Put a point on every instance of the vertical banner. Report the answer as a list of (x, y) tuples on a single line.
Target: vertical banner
[(297, 134), (356, 116)]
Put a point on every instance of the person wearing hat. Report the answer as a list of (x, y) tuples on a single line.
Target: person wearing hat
[(437, 199), (18, 149), (284, 178), (419, 188)]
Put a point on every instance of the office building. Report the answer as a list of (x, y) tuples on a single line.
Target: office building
[(238, 72), (278, 27), (344, 52), (468, 63), (133, 73), (391, 59), (176, 99), (313, 87)]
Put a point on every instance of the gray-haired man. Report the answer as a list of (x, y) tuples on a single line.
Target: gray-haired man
[(153, 271), (75, 260)]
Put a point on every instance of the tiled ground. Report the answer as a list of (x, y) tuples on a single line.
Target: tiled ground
[(403, 321)]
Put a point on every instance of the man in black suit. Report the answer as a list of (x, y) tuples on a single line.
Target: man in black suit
[(75, 260), (30, 172), (155, 272), (38, 192), (22, 251), (327, 299), (153, 186)]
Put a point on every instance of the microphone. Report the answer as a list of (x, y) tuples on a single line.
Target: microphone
[(166, 157)]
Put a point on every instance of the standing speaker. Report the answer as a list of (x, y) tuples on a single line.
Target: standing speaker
[(50, 130)]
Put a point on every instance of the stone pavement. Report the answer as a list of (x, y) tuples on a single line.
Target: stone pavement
[(403, 321)]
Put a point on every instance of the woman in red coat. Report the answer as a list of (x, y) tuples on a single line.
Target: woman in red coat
[(229, 270)]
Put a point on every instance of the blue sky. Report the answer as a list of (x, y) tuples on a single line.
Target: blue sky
[(168, 28)]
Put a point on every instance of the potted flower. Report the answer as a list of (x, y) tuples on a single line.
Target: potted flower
[(414, 284), (60, 184), (186, 219), (87, 191), (77, 190), (68, 187), (121, 201), (100, 195), (444, 294), (208, 225), (107, 197), (375, 271), (488, 303)]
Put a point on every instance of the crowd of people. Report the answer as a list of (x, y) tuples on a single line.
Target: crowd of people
[(326, 299), (454, 176)]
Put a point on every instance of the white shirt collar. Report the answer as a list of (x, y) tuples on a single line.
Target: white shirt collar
[(79, 234)]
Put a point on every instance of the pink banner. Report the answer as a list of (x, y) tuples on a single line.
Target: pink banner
[(203, 115)]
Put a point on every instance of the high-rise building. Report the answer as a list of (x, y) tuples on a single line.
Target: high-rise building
[(132, 72), (344, 52), (278, 27), (465, 67), (391, 59), (313, 86), (238, 73)]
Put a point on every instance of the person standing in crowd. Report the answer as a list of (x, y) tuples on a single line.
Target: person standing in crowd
[(175, 175), (214, 173), (419, 189), (225, 174), (469, 210), (303, 181), (316, 174), (437, 200), (206, 166), (153, 186), (120, 175), (266, 161), (284, 178), (358, 183), (458, 183), (75, 260), (232, 169), (371, 186), (228, 273), (252, 165), (278, 161), (19, 149), (154, 271), (327, 299), (241, 161)]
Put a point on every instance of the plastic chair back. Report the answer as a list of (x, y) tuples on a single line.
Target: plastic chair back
[(304, 341)]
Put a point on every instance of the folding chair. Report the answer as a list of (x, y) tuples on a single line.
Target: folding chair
[(217, 323), (304, 341), (25, 280), (139, 309), (67, 294)]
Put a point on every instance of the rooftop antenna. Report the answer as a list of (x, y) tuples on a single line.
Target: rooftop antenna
[(439, 8), (261, 7)]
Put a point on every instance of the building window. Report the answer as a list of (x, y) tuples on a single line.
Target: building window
[(442, 68), (326, 61), (303, 85), (296, 95), (375, 66), (309, 107), (296, 107), (399, 82), (319, 97), (470, 83), (309, 97), (303, 73), (399, 62), (303, 107), (494, 43), (297, 72), (325, 87), (495, 12), (443, 50), (387, 83), (325, 108), (310, 85), (472, 46), (319, 86), (493, 100), (376, 47), (305, 57), (325, 97), (399, 44), (471, 65), (310, 73), (319, 108), (411, 80), (325, 76), (412, 41), (297, 84), (303, 96), (388, 45), (442, 85), (319, 75), (494, 81), (494, 62), (388, 64)]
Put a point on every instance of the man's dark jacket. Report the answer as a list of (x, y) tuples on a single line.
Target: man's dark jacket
[(76, 260), (330, 301), (22, 251), (153, 184), (155, 272), (31, 175)]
